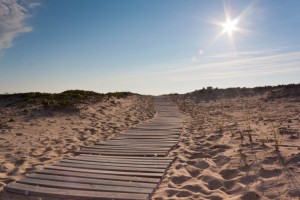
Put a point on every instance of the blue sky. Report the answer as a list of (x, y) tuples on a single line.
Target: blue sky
[(149, 46)]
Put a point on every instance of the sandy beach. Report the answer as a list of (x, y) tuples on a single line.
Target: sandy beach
[(228, 146), (236, 143), (32, 136)]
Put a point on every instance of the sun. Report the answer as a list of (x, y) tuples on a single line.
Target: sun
[(230, 26)]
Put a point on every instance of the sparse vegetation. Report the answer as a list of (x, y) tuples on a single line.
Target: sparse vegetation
[(243, 156), (66, 99), (276, 137)]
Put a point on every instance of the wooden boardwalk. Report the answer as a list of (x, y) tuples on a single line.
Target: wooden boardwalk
[(129, 166)]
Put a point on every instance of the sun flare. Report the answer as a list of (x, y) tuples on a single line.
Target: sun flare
[(230, 26)]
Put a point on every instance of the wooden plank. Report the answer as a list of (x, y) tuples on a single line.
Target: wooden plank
[(146, 141), (137, 145), (112, 168), (74, 194), (146, 137), (129, 161), (157, 166), (83, 187), (125, 150), (140, 174), (135, 141), (149, 140), (160, 135), (128, 147), (121, 153), (165, 136), (153, 126), (130, 157), (146, 145), (154, 132), (156, 127), (98, 176), (92, 181)]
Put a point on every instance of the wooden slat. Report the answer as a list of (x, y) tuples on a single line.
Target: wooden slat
[(144, 146), (60, 172), (125, 143), (154, 159), (140, 174), (75, 194), (138, 145), (147, 137), (149, 140), (158, 166), (83, 187), (128, 147), (92, 181), (126, 150), (120, 153), (148, 131), (129, 161), (112, 168)]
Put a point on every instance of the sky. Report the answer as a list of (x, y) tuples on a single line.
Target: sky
[(147, 46)]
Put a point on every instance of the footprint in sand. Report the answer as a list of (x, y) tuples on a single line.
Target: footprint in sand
[(193, 171), (229, 173), (250, 196), (229, 184), (213, 183), (199, 155), (179, 179), (36, 152), (221, 160), (43, 159), (171, 192), (247, 179), (184, 194), (270, 173), (6, 167), (197, 188)]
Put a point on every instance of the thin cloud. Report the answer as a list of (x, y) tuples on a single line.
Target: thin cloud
[(260, 65), (12, 20), (247, 53)]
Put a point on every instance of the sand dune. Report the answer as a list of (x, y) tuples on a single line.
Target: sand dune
[(236, 143), (227, 147), (38, 137)]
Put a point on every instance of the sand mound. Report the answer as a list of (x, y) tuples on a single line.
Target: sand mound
[(227, 148), (38, 137)]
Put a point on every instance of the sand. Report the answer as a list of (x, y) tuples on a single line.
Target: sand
[(227, 149), (33, 137), (214, 162)]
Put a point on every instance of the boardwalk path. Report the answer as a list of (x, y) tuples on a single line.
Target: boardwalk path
[(129, 166)]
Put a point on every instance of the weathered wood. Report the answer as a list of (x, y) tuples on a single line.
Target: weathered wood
[(98, 176), (140, 174), (92, 181), (120, 153), (154, 159), (127, 147), (128, 150), (26, 189), (102, 158), (104, 167), (155, 165), (83, 187)]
